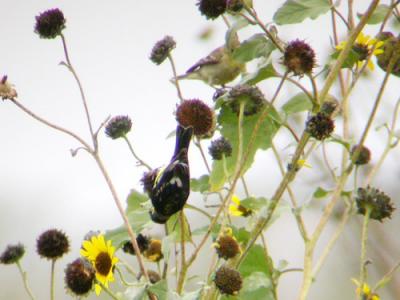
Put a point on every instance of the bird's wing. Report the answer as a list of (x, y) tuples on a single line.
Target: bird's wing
[(211, 59)]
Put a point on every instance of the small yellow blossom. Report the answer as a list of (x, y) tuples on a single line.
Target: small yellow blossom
[(363, 47), (237, 209), (366, 291), (101, 254)]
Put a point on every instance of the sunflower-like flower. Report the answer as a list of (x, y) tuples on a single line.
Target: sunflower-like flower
[(237, 209), (366, 292), (101, 254), (364, 46)]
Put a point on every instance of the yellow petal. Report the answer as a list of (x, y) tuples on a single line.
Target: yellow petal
[(371, 65), (236, 200), (378, 51), (97, 289)]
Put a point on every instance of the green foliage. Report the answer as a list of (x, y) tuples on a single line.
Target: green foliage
[(137, 212), (254, 47), (378, 16), (223, 170), (174, 228), (296, 11), (264, 71), (201, 184), (352, 58), (298, 103)]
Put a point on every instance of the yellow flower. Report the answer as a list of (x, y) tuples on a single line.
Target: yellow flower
[(237, 209), (366, 291), (101, 254), (363, 47), (153, 251)]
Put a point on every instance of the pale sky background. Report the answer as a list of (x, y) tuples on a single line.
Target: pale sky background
[(43, 187)]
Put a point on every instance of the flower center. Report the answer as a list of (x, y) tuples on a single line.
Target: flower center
[(103, 263), (362, 51)]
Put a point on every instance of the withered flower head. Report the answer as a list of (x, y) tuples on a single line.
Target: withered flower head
[(7, 90), (226, 245), (52, 244), (375, 201), (12, 254), (118, 127), (212, 9), (228, 280), (320, 126), (299, 58), (161, 49), (220, 148), (142, 241), (252, 98), (235, 6), (364, 156), (50, 24), (154, 277), (195, 113), (79, 277)]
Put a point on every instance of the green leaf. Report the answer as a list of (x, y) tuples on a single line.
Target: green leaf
[(174, 228), (351, 59), (254, 47), (298, 103), (135, 292), (320, 193), (195, 295), (160, 289), (201, 184), (254, 203), (255, 261), (263, 72), (257, 286), (228, 121), (378, 15), (295, 11), (137, 212)]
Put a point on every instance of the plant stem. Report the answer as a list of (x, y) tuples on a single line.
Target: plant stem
[(107, 290), (25, 280), (83, 97), (363, 262), (52, 292), (182, 274), (176, 80), (140, 161)]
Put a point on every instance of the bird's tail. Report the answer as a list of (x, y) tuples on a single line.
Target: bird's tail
[(183, 138)]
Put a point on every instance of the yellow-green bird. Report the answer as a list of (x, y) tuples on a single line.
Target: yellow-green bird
[(217, 68)]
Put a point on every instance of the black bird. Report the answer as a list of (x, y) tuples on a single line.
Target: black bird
[(171, 186)]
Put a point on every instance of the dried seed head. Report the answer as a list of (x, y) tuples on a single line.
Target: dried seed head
[(320, 126), (142, 241), (195, 113), (226, 245), (252, 98), (235, 6), (118, 127), (79, 277), (7, 90), (377, 202), (220, 148), (52, 244), (391, 47), (154, 277), (153, 251), (50, 24), (162, 49), (148, 180), (212, 9), (299, 58), (12, 254), (363, 157), (228, 280)]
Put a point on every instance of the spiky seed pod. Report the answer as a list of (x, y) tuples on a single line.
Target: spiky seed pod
[(153, 251), (154, 277), (50, 24), (390, 48), (320, 126), (195, 113), (142, 241), (220, 148), (228, 280), (12, 254), (363, 157), (299, 58), (251, 96), (79, 277), (379, 204), (118, 127), (212, 9), (226, 245), (162, 49), (52, 244)]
